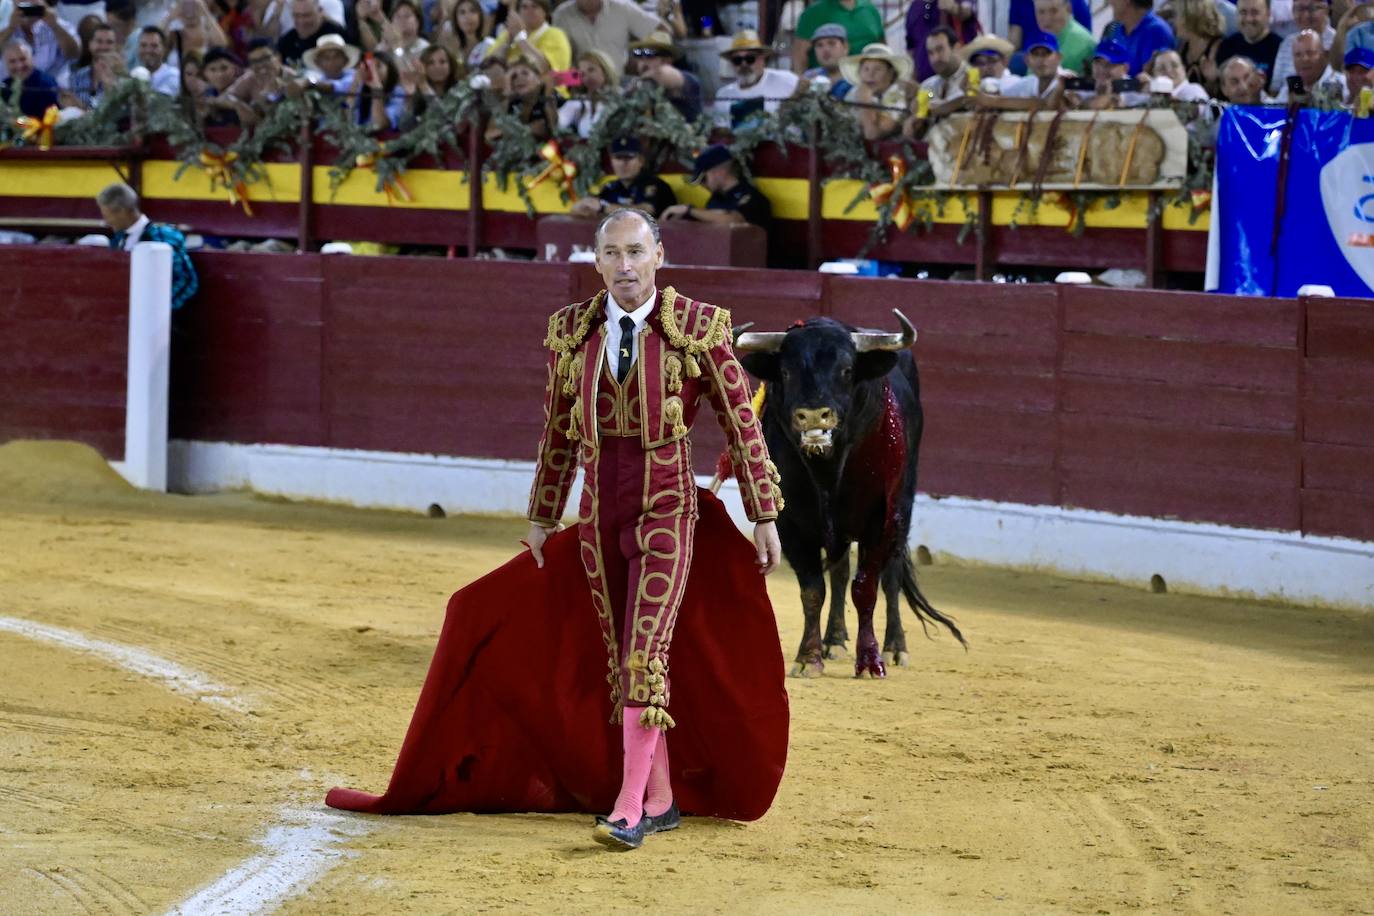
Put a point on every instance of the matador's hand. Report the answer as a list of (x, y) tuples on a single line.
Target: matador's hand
[(768, 546), (535, 541)]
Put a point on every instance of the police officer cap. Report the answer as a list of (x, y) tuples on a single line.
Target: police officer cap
[(712, 156)]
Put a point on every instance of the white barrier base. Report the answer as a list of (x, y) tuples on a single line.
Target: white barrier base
[(1188, 556)]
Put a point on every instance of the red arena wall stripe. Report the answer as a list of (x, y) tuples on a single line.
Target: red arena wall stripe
[(1251, 412), (65, 327)]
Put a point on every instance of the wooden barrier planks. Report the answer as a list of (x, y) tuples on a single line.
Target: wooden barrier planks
[(439, 356), (1180, 405), (64, 324), (1251, 412), (247, 351), (1338, 418)]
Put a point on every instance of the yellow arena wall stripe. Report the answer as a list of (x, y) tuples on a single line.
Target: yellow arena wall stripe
[(282, 184), (73, 178), (430, 189), (446, 189)]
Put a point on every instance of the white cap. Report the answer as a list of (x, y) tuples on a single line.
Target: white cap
[(141, 74), (1073, 276), (1316, 289), (1162, 84), (839, 267), (336, 248)]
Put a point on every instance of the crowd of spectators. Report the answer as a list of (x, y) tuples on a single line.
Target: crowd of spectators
[(558, 69)]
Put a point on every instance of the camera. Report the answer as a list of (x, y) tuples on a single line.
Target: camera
[(570, 78), (32, 10), (1295, 86), (1080, 84), (1125, 84)]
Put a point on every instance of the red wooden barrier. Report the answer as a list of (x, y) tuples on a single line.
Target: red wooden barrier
[(1338, 419), (1243, 411), (64, 329)]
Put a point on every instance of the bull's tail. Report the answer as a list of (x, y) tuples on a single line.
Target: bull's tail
[(925, 611)]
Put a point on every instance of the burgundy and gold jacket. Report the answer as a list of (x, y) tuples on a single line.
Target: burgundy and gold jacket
[(684, 354)]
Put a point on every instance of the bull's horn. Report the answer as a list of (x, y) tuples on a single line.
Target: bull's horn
[(759, 342), (741, 329), (865, 341)]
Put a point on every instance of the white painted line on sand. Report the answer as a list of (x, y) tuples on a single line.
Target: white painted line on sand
[(299, 851), (169, 673)]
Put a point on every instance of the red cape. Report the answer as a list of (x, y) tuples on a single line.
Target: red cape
[(514, 712)]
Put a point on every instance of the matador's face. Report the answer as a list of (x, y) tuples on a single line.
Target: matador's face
[(627, 258)]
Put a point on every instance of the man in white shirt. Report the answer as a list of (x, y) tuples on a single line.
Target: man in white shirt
[(989, 54), (152, 56), (1044, 85), (1309, 59), (758, 89), (948, 87), (1308, 14), (607, 26)]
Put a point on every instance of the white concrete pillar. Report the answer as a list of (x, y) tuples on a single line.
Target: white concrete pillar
[(150, 332)]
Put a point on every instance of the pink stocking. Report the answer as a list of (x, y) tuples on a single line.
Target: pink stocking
[(639, 743), (658, 796)]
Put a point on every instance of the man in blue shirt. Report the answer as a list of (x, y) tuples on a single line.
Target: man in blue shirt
[(830, 45), (29, 88), (1139, 31)]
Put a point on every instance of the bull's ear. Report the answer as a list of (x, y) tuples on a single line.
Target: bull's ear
[(762, 365), (873, 364)]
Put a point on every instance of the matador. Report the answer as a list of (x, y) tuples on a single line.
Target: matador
[(627, 372)]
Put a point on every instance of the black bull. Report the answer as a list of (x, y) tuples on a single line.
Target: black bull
[(842, 417)]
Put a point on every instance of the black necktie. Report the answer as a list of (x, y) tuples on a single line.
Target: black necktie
[(627, 329)]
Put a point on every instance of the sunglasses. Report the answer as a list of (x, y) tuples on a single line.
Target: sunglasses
[(647, 52), (744, 60)]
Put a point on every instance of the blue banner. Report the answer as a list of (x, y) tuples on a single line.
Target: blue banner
[(1326, 235)]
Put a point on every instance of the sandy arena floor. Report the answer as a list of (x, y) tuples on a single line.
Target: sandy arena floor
[(1100, 749)]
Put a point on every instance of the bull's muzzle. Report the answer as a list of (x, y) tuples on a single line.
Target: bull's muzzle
[(816, 427)]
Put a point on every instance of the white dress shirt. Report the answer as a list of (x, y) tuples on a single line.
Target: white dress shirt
[(135, 232), (613, 315)]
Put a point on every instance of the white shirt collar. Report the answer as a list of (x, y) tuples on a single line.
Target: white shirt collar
[(135, 232), (614, 312)]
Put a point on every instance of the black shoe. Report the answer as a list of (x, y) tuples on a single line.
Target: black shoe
[(659, 823), (618, 835)]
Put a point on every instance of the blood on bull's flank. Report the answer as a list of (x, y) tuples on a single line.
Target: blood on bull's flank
[(842, 417)]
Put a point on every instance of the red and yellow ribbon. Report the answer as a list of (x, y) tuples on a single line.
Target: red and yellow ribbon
[(39, 129), (557, 165), (393, 186), (905, 211), (1062, 199), (219, 166), (1201, 199)]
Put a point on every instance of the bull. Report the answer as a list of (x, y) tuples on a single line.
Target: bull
[(842, 418)]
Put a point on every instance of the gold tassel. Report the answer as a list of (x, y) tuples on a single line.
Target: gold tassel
[(672, 412), (656, 717), (574, 433), (673, 366), (693, 370)]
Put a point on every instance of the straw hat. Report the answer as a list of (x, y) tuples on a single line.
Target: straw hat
[(987, 43), (331, 43), (658, 41), (746, 40), (901, 63)]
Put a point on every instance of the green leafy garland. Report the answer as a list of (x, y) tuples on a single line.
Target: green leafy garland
[(131, 111)]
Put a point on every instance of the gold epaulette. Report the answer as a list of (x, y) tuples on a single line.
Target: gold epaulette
[(694, 342), (565, 344)]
